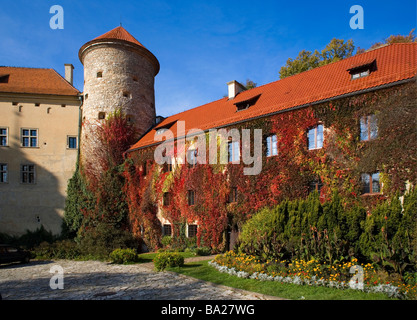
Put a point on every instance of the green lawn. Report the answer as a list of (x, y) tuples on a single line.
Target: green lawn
[(201, 270)]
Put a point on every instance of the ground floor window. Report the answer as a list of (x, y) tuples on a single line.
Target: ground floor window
[(167, 231), (370, 183), (192, 230), (27, 174), (315, 185), (3, 173)]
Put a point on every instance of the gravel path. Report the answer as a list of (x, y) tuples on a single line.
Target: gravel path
[(95, 280)]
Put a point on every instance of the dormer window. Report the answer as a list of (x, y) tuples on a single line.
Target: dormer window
[(243, 105), (4, 78), (363, 69), (164, 127), (161, 130), (360, 74)]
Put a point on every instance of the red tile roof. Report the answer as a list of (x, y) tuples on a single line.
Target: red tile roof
[(119, 33), (35, 81), (394, 63)]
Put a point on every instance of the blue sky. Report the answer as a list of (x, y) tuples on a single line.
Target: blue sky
[(201, 45)]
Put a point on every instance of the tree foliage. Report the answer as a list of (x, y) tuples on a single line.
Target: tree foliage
[(334, 51), (96, 209), (393, 39)]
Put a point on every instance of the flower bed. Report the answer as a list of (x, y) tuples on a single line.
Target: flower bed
[(313, 273)]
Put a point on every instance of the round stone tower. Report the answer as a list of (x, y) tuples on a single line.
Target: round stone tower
[(119, 72)]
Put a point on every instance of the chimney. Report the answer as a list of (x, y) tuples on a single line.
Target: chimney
[(69, 74), (234, 88)]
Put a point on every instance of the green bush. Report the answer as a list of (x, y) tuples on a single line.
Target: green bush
[(122, 256), (63, 249), (165, 260), (203, 251), (166, 241), (305, 229), (100, 241)]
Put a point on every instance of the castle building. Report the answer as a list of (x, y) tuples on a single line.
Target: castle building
[(326, 129), (348, 126), (38, 147)]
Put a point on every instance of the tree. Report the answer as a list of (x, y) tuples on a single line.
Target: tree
[(392, 39), (336, 50), (305, 60), (250, 84)]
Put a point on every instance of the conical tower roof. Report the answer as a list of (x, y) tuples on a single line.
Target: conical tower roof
[(119, 36), (120, 33)]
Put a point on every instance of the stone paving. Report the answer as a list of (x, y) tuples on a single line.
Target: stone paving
[(95, 280)]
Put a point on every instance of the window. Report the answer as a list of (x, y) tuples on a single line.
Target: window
[(192, 158), (192, 230), (315, 186), (161, 130), (101, 115), (167, 167), (27, 174), (72, 142), (3, 173), (191, 197), (99, 74), (369, 127), (271, 146), (29, 138), (3, 137), (234, 151), (233, 195), (4, 78), (166, 199), (167, 231), (360, 74), (315, 137), (243, 105), (370, 183)]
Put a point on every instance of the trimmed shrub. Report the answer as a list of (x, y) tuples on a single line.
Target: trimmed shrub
[(100, 241), (122, 256), (64, 249), (305, 229), (203, 251), (165, 260)]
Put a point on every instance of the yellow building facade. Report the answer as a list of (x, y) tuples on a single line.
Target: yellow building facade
[(39, 143)]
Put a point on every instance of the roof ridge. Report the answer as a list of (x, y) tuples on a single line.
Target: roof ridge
[(25, 67), (63, 79)]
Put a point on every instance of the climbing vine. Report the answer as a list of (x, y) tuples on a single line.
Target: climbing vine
[(287, 175)]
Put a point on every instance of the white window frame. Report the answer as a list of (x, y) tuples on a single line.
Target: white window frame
[(233, 151), (316, 145), (29, 137), (6, 136), (272, 145), (28, 171)]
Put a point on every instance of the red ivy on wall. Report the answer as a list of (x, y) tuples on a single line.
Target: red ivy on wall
[(287, 175)]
